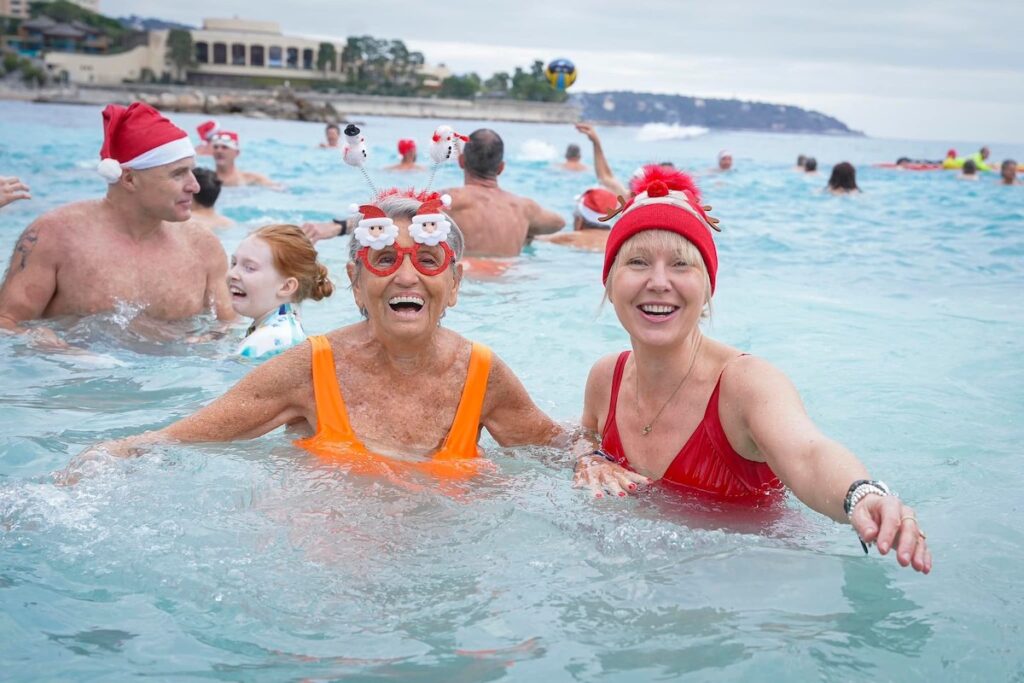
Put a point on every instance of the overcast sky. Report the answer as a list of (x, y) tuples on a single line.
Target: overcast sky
[(922, 69)]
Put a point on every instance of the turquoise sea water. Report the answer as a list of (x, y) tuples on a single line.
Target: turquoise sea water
[(897, 314)]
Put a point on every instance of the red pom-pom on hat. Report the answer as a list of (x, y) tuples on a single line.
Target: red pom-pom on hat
[(669, 177)]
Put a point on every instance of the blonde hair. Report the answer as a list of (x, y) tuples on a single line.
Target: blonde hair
[(295, 256), (650, 241)]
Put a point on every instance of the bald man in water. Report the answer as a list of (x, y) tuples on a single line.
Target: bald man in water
[(133, 246), (494, 222)]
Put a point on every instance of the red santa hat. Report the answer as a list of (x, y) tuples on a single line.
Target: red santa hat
[(596, 203), (406, 146), (139, 137), (665, 200), (371, 215), (227, 138), (206, 129), (430, 210)]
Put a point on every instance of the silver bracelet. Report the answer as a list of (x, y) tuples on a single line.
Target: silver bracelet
[(877, 487)]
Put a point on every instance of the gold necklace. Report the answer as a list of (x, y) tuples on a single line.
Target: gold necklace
[(650, 425)]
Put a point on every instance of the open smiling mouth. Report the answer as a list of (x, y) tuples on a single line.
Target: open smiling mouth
[(236, 292), (659, 310), (403, 304)]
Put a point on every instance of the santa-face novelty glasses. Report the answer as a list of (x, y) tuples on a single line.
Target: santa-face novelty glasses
[(427, 260)]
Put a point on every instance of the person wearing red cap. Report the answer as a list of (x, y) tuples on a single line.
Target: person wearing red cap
[(135, 246), (699, 415), (406, 150), (590, 221), (206, 130), (495, 222), (226, 148)]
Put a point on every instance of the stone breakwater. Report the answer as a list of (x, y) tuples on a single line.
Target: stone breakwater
[(284, 103)]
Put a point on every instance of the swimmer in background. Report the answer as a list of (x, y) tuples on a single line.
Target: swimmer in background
[(811, 165), (206, 130), (800, 161), (203, 212), (495, 222), (572, 160), (843, 179), (602, 169), (273, 270), (226, 148), (969, 171), (589, 231), (952, 162), (724, 162), (12, 189), (332, 136), (407, 150), (980, 159), (1008, 173)]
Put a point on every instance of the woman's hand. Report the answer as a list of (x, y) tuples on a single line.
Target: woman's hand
[(887, 522), (600, 476)]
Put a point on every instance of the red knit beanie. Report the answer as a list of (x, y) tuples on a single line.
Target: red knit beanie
[(665, 200)]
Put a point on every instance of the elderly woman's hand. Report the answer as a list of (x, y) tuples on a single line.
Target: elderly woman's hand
[(887, 522), (600, 476)]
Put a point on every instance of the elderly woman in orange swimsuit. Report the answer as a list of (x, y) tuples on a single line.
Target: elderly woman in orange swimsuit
[(699, 415), (396, 390)]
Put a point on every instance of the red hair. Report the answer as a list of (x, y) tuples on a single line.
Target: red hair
[(295, 256)]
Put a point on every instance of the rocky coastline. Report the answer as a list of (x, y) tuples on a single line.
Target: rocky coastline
[(285, 103)]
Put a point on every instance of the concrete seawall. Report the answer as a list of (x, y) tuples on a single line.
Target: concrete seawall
[(284, 103)]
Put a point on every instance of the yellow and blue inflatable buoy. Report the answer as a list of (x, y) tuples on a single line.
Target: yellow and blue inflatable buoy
[(561, 73)]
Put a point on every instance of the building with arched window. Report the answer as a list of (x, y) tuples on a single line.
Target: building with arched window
[(228, 50)]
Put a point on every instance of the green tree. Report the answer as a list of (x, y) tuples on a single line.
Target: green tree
[(498, 84), (180, 52), (325, 56), (461, 87)]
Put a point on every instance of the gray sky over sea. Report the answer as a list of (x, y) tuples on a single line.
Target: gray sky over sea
[(922, 69)]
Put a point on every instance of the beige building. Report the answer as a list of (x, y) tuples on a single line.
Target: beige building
[(19, 8), (145, 62), (14, 8), (226, 51), (235, 47)]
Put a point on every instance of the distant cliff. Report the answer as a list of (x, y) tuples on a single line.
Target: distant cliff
[(622, 107)]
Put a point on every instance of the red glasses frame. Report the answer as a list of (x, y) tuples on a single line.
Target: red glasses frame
[(400, 254)]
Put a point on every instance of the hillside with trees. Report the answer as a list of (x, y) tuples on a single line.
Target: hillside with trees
[(632, 108)]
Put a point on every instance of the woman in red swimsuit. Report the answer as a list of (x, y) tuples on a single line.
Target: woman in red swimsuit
[(697, 414)]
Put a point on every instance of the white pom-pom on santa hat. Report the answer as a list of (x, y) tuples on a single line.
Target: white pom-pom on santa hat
[(110, 170), (446, 200), (353, 208)]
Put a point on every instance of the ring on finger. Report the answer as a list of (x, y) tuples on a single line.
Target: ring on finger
[(906, 517)]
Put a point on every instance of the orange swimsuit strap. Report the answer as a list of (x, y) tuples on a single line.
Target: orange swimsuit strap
[(335, 434)]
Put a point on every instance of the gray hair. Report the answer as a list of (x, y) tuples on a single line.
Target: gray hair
[(395, 207)]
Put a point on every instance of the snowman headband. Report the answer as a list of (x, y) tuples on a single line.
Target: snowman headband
[(430, 225)]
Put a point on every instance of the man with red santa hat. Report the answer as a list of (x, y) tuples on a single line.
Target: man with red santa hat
[(134, 246), (226, 148)]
